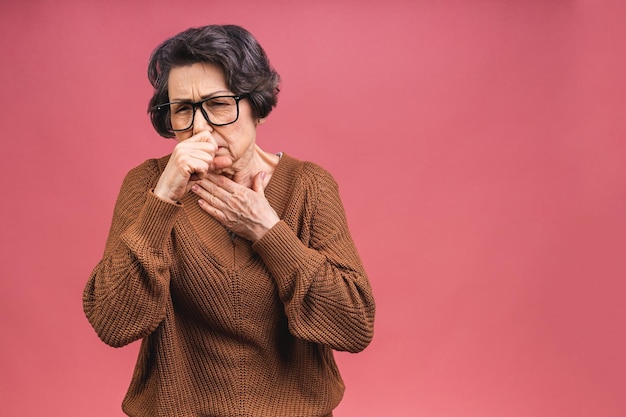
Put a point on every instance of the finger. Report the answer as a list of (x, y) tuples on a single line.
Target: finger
[(206, 197), (196, 150), (194, 159), (257, 183), (210, 190), (221, 162), (223, 182), (203, 136), (199, 149), (207, 206), (193, 165)]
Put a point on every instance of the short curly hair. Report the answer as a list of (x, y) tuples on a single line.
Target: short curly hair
[(245, 64)]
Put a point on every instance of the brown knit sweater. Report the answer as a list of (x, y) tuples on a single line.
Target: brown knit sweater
[(231, 328)]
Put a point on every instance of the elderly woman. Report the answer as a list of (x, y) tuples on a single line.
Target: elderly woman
[(234, 266)]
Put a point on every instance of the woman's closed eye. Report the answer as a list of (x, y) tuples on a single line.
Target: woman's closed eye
[(181, 108)]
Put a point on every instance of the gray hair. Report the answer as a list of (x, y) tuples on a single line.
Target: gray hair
[(246, 67)]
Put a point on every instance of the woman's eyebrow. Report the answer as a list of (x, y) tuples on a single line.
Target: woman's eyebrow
[(202, 97)]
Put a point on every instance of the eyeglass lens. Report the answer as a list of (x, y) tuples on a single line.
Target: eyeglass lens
[(217, 110)]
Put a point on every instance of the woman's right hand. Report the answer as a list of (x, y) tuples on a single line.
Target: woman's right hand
[(190, 161)]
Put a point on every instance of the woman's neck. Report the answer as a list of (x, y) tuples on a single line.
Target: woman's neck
[(260, 161)]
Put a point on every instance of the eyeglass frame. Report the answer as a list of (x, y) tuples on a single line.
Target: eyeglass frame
[(198, 105)]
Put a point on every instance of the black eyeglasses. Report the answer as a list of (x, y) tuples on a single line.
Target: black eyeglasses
[(217, 111)]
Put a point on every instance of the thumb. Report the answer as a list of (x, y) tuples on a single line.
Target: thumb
[(257, 183)]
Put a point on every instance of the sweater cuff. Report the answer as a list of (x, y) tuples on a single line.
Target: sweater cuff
[(284, 255), (155, 222)]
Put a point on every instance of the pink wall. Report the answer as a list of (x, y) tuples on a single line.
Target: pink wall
[(481, 150)]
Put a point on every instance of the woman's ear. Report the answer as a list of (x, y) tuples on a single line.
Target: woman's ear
[(260, 121)]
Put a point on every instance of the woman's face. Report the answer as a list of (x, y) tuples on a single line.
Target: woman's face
[(197, 81)]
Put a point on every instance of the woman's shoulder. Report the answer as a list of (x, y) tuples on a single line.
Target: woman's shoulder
[(307, 171), (152, 164), (147, 171), (312, 176)]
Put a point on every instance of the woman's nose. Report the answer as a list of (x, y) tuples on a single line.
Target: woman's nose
[(200, 123)]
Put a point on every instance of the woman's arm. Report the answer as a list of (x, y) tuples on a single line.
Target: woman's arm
[(324, 287), (128, 290)]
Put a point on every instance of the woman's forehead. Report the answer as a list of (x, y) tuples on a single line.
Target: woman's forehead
[(196, 81)]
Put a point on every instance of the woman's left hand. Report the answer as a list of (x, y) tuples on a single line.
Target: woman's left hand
[(244, 211)]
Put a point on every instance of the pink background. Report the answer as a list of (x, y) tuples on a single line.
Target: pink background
[(481, 151)]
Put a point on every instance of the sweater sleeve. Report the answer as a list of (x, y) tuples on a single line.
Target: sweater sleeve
[(126, 295), (324, 287)]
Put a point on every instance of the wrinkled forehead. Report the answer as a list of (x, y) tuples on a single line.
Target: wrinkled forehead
[(196, 81)]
